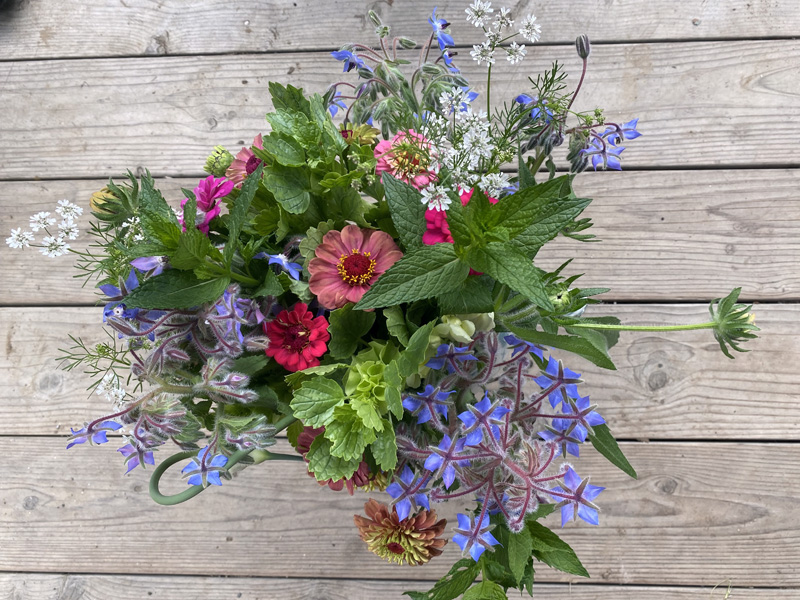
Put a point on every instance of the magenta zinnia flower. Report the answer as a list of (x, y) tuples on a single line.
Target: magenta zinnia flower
[(408, 156), (348, 262), (207, 192), (245, 162)]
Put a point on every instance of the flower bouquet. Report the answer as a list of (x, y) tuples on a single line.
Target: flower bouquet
[(362, 279)]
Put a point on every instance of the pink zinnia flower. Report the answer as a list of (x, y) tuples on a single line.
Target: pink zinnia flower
[(297, 338), (245, 162), (408, 157), (348, 262), (207, 192)]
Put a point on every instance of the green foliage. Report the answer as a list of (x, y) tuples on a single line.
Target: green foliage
[(347, 326), (474, 295), (571, 343), (396, 324), (271, 286), (407, 210), (239, 212), (426, 272), (176, 289), (326, 466), (384, 448), (553, 551), (193, 247), (733, 323), (348, 433), (486, 590), (451, 586), (512, 268), (605, 444), (315, 401), (291, 187)]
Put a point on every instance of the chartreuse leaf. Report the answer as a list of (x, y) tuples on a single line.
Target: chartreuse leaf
[(291, 187), (414, 355), (605, 444), (289, 98), (367, 410), (349, 436), (571, 343), (283, 149), (485, 590), (509, 266), (407, 210), (426, 272), (176, 289), (238, 214), (384, 448), (297, 377), (552, 550), (451, 586), (396, 323), (315, 401), (326, 466), (394, 383), (347, 326)]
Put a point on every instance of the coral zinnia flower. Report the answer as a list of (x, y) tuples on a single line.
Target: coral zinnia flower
[(297, 338), (348, 262), (413, 540), (362, 477), (408, 156), (245, 162)]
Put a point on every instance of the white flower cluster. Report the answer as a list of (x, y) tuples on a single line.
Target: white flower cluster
[(479, 13), (52, 245), (111, 388), (134, 231)]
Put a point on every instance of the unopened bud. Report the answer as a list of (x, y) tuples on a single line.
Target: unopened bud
[(364, 73), (218, 162), (382, 31), (407, 43), (431, 69), (583, 46), (373, 16)]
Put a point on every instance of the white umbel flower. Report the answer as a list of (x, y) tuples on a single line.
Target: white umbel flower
[(41, 220), (436, 197), (494, 184), (483, 53), (503, 19), (19, 238), (54, 246), (67, 228), (515, 53), (68, 210), (479, 13), (451, 100), (530, 29)]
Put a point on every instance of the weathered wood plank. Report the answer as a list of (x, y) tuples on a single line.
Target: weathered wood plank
[(683, 235), (677, 386), (699, 103), (141, 27), (690, 519), (36, 586)]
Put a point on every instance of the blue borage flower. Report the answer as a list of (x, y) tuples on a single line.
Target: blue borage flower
[(447, 56), (336, 103), (351, 60), (567, 381), (408, 493), (204, 472), (116, 294), (482, 417), (135, 456), (536, 112), (626, 131), (518, 345), (152, 265), (293, 269), (580, 504), (474, 539), (97, 435), (603, 154), (444, 458), (420, 404), (439, 26), (447, 354)]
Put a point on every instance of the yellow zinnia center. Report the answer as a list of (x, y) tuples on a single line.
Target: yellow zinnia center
[(356, 268)]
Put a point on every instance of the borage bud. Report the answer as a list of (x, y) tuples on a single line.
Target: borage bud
[(407, 43), (583, 46), (364, 73), (432, 69), (376, 20), (382, 31)]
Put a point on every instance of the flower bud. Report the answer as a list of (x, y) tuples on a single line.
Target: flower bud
[(100, 201), (376, 20), (583, 46), (407, 43), (364, 73), (218, 162), (382, 31)]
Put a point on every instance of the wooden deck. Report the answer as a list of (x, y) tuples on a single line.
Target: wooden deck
[(709, 200)]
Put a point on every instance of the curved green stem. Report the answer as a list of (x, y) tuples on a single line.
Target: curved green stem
[(709, 325)]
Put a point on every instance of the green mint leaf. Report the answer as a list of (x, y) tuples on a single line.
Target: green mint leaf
[(326, 466), (288, 98), (526, 178), (151, 200), (459, 223), (313, 239), (316, 400), (250, 365), (474, 295), (407, 210), (295, 124), (486, 590), (290, 186), (553, 551), (533, 205), (319, 113), (296, 378), (176, 289), (159, 229), (193, 247), (238, 214), (348, 434), (271, 286), (451, 586), (347, 326), (384, 448), (509, 266), (414, 355), (396, 323), (428, 271), (283, 149), (570, 343), (605, 444)]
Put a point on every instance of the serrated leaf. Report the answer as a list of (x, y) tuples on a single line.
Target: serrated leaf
[(250, 365), (605, 444), (271, 286), (553, 551), (176, 289), (396, 323), (407, 211), (526, 178), (295, 124), (295, 378), (346, 327), (315, 401), (384, 448), (428, 271), (485, 590), (290, 186), (293, 432), (313, 239), (288, 97), (458, 223), (457, 581), (348, 434), (266, 221), (159, 229), (474, 295), (238, 214), (570, 343), (151, 200), (537, 207), (394, 383), (193, 247), (549, 221), (283, 149), (509, 266), (367, 411), (326, 466), (414, 355)]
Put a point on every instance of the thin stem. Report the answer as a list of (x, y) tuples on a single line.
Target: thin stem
[(709, 325), (580, 83)]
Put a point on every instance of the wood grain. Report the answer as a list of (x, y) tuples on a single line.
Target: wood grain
[(682, 235), (700, 104), (677, 386), (38, 586), (142, 27), (690, 519)]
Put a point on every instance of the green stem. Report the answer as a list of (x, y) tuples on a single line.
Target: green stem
[(244, 278), (263, 455), (489, 94), (709, 325)]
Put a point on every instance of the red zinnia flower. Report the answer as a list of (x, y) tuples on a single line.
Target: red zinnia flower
[(297, 338)]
